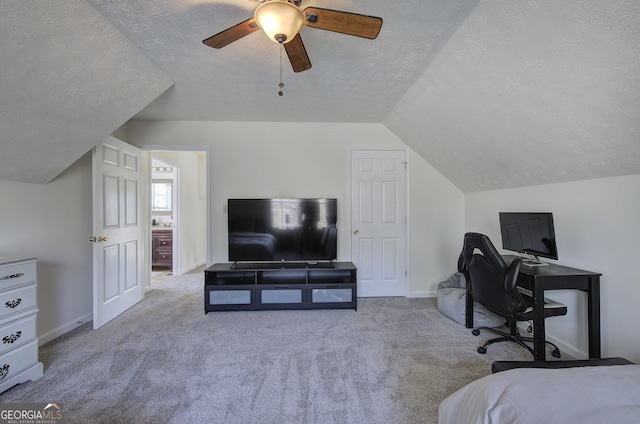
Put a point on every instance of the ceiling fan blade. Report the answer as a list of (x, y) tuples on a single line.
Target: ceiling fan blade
[(343, 22), (297, 54), (232, 34)]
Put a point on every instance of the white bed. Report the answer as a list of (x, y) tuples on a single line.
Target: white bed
[(602, 394)]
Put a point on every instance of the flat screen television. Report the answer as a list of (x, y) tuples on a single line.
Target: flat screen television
[(529, 232), (282, 229)]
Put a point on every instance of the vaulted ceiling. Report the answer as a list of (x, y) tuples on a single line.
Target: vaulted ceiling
[(492, 93)]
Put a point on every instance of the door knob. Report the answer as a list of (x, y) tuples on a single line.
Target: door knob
[(356, 231), (102, 238)]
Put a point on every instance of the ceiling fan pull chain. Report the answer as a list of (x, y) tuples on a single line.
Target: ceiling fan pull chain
[(280, 93)]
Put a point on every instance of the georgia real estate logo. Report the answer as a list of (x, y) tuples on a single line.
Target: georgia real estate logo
[(31, 413)]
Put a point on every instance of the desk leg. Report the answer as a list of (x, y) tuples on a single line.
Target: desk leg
[(539, 332), (593, 310), (469, 308)]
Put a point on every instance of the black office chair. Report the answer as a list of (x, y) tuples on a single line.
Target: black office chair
[(493, 285)]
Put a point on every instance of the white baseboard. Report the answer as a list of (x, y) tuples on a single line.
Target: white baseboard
[(568, 348), (184, 270), (564, 347), (417, 294), (63, 329)]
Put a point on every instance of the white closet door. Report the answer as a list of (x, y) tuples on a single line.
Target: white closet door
[(378, 221)]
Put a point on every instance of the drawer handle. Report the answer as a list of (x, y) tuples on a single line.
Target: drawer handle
[(12, 338), (8, 277), (4, 371), (13, 303)]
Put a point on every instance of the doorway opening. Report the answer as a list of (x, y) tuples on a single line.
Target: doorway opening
[(178, 194), (163, 202)]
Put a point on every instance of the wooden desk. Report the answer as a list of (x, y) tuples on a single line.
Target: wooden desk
[(537, 279)]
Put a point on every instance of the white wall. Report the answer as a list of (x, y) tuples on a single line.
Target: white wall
[(312, 160), (53, 222), (596, 220), (437, 223), (597, 225)]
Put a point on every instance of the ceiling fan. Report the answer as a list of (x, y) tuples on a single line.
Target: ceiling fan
[(283, 19)]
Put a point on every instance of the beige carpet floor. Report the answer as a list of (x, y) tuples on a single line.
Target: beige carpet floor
[(165, 361)]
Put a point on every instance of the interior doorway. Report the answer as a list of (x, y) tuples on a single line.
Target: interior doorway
[(164, 213), (178, 239)]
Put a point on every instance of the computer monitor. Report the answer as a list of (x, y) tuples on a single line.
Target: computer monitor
[(532, 233)]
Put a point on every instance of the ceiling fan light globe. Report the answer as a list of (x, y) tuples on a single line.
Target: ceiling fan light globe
[(279, 18)]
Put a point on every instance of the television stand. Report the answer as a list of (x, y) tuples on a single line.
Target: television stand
[(254, 286), (281, 265)]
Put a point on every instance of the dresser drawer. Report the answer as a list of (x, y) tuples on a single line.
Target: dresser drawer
[(17, 300), (16, 360), (12, 275), (17, 332)]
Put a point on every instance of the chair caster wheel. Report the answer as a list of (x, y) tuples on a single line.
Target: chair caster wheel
[(475, 332), (482, 350), (555, 353)]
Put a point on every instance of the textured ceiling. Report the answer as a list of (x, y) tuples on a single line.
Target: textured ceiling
[(530, 92), (68, 80), (352, 79), (493, 93)]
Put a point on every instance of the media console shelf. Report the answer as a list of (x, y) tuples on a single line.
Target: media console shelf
[(264, 286)]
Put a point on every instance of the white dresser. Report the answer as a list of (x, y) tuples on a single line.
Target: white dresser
[(19, 360)]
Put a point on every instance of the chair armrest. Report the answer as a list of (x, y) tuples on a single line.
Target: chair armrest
[(511, 279), (462, 265)]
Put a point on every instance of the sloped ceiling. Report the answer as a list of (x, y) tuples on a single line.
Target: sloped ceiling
[(530, 92), (493, 93), (69, 79)]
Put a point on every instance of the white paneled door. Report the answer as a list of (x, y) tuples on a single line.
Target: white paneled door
[(117, 230), (378, 221)]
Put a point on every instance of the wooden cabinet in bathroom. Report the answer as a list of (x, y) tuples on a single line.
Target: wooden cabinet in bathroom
[(162, 248)]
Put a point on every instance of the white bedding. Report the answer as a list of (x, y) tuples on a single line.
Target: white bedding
[(603, 394)]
